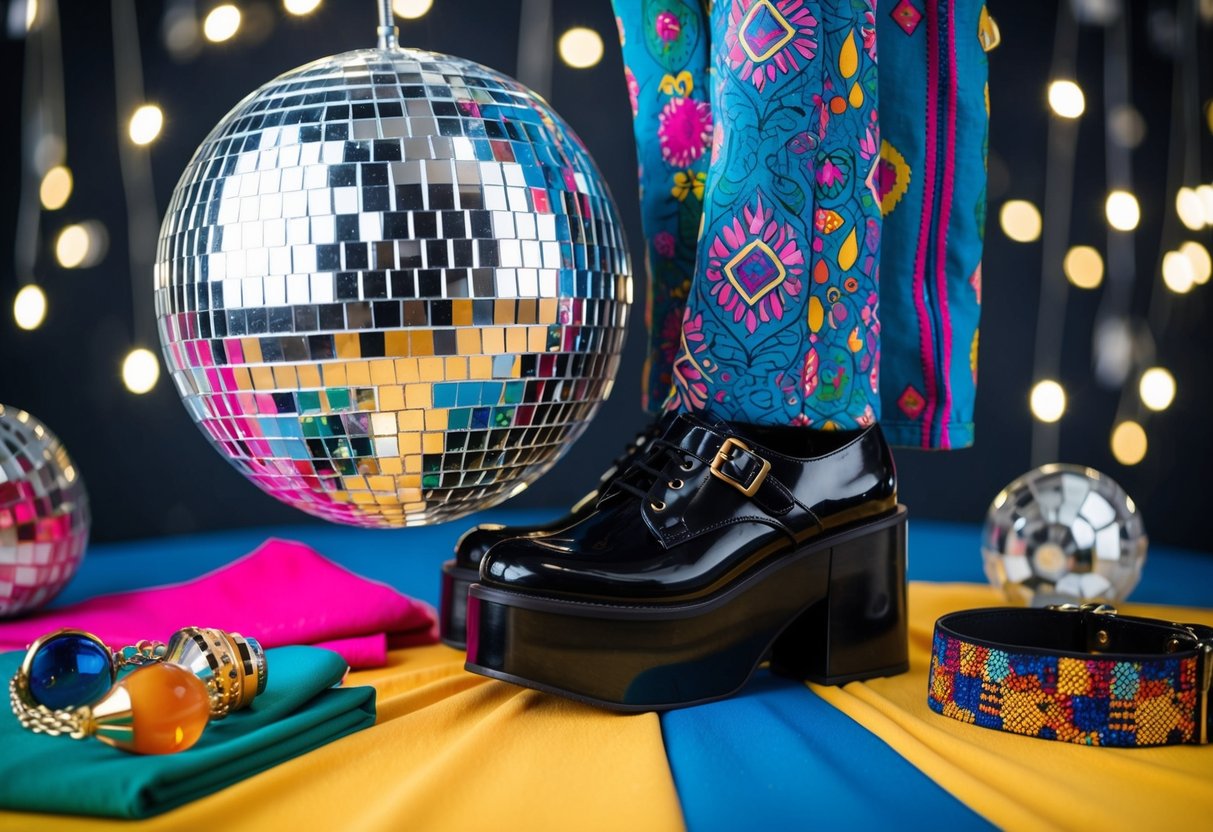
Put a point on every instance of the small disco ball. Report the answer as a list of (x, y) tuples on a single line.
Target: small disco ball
[(1064, 534), (392, 287), (44, 517)]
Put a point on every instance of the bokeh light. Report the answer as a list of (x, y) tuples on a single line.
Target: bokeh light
[(29, 307), (1083, 266), (1122, 210), (580, 48), (222, 23), (300, 7), (81, 245), (1189, 208), (1199, 260), (1020, 220), (1066, 99), (145, 124), (1048, 400), (1177, 273), (56, 188), (1157, 388), (411, 9), (140, 370), (1129, 443)]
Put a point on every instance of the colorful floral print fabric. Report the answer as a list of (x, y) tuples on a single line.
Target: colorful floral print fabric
[(665, 49), (765, 228)]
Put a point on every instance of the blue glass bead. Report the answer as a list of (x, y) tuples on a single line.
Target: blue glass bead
[(69, 671)]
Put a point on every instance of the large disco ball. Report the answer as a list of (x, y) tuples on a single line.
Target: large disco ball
[(44, 517), (392, 287), (1064, 534)]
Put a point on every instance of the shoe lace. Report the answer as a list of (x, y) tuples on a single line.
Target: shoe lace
[(640, 475), (638, 445)]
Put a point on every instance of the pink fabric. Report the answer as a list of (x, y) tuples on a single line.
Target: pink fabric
[(281, 593)]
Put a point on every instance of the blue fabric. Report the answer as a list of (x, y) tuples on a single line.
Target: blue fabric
[(778, 757)]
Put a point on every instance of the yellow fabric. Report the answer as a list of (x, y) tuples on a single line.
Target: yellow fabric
[(1021, 782), (450, 750)]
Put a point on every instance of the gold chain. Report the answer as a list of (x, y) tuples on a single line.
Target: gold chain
[(40, 719)]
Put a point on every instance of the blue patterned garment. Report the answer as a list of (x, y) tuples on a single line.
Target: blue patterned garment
[(778, 313)]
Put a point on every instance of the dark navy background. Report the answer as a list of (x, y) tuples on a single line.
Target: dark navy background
[(150, 472)]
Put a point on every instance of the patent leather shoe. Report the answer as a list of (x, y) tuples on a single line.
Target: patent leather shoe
[(463, 570), (722, 546)]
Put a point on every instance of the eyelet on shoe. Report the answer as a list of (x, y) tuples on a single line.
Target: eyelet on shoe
[(657, 505), (675, 484), (688, 465)]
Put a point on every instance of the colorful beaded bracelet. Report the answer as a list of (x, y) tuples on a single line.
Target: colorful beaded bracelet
[(1085, 675)]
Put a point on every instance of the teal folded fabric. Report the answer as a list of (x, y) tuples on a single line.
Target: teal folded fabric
[(300, 710)]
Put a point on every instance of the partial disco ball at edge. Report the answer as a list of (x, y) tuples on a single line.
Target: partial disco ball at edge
[(1064, 534), (392, 287), (44, 515)]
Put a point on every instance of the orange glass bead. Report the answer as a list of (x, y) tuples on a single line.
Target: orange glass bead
[(158, 709)]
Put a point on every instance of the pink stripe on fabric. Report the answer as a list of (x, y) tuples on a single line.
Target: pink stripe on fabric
[(925, 340), (941, 239)]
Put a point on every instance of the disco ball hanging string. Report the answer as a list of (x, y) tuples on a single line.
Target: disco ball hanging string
[(391, 286)]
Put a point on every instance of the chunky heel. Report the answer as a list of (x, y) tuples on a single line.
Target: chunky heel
[(858, 630), (452, 620)]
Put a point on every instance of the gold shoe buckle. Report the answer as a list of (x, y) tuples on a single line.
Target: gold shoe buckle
[(725, 454)]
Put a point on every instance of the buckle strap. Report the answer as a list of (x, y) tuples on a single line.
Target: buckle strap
[(738, 465), (1082, 674)]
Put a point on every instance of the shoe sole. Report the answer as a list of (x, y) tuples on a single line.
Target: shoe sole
[(453, 606), (833, 611)]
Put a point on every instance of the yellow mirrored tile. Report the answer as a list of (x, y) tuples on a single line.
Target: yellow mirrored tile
[(381, 483), (515, 339), (284, 377), (354, 483), (409, 443), (430, 369), (396, 343), (431, 443), (243, 380), (547, 311), (358, 373), (493, 340), (347, 345), (417, 395), (480, 367), (392, 466), (461, 312), (383, 372), (537, 339), (334, 375), (263, 378), (421, 342), (527, 311), (309, 375), (503, 311), (406, 370), (456, 368), (412, 464), (410, 420), (391, 398), (467, 341), (436, 419), (251, 347)]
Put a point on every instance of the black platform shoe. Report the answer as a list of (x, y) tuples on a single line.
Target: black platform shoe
[(722, 547), (464, 569)]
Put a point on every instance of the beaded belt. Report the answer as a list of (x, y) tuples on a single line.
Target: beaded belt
[(1078, 674)]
